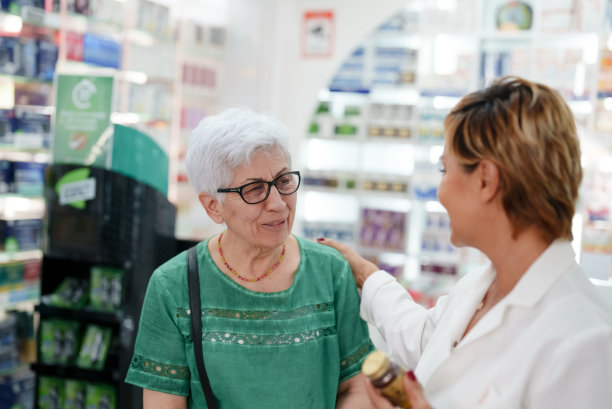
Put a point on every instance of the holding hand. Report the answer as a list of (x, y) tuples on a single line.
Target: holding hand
[(413, 388), (361, 267)]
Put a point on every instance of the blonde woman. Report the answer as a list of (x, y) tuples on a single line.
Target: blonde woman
[(529, 331)]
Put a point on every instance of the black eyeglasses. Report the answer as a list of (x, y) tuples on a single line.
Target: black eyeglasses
[(257, 192)]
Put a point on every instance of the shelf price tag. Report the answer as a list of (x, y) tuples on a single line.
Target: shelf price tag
[(77, 192)]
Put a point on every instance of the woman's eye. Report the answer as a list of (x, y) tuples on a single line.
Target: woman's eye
[(254, 188), (441, 168)]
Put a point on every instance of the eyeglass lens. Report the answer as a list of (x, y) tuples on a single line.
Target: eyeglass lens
[(259, 191)]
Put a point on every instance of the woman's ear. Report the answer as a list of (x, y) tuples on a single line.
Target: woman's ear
[(212, 206), (489, 179)]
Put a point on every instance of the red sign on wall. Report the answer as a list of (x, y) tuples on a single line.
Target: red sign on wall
[(318, 33), (74, 46)]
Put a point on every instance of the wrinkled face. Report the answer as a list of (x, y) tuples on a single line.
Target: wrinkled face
[(266, 224), (457, 194)]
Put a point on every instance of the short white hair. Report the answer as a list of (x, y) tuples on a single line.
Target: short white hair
[(224, 142)]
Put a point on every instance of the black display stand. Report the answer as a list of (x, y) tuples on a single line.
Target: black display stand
[(128, 225)]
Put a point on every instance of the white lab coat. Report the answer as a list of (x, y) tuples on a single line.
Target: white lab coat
[(547, 344)]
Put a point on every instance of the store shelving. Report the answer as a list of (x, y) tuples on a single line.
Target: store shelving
[(113, 231), (125, 40), (397, 86)]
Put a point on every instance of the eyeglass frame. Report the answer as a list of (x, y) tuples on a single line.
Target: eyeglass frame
[(270, 184)]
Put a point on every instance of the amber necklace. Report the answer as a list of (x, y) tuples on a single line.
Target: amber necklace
[(250, 280)]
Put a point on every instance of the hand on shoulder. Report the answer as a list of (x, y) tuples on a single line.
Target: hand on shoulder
[(361, 267)]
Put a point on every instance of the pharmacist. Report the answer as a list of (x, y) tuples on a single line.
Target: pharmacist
[(529, 331)]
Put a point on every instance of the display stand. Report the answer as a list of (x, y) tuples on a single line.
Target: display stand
[(126, 225)]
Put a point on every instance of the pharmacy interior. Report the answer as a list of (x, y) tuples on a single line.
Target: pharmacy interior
[(93, 133)]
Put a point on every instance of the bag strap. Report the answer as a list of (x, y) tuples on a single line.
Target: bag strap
[(193, 281)]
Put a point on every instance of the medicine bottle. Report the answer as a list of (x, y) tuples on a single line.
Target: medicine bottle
[(387, 377)]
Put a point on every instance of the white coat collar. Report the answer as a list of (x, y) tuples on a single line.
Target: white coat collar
[(470, 290), (531, 287)]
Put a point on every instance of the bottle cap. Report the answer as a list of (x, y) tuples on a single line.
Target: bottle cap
[(375, 365)]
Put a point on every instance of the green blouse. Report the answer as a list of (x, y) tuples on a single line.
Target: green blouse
[(288, 349)]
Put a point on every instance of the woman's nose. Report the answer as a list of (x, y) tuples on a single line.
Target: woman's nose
[(275, 199)]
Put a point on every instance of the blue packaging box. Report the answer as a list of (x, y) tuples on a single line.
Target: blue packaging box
[(6, 177), (101, 51), (7, 126), (32, 129), (29, 178), (25, 234), (10, 55), (46, 60)]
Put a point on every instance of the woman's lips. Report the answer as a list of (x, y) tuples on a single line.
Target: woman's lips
[(275, 223)]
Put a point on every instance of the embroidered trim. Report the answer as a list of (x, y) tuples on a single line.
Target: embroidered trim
[(259, 314), (356, 356), (159, 368), (182, 313), (265, 340)]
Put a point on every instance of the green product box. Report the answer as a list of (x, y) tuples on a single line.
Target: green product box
[(11, 276), (75, 393), (71, 293), (95, 346), (50, 393), (100, 396), (106, 288), (59, 341)]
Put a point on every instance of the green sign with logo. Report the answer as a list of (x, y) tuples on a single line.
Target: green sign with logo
[(82, 117)]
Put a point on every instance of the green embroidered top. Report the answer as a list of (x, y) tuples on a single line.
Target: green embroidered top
[(288, 349)]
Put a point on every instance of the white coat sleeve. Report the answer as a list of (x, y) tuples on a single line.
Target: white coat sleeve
[(404, 324)]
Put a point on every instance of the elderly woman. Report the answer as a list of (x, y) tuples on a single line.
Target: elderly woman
[(280, 314), (529, 331)]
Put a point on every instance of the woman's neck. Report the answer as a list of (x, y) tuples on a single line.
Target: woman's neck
[(512, 258), (245, 252)]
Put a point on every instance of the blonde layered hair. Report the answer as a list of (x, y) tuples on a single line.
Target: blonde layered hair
[(528, 131)]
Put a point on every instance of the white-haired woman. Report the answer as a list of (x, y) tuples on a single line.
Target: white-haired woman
[(280, 314)]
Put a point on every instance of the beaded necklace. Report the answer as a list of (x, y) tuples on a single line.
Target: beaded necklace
[(251, 280)]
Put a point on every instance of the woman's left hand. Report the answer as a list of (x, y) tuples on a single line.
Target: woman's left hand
[(413, 389)]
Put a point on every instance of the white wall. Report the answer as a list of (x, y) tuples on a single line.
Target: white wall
[(265, 69)]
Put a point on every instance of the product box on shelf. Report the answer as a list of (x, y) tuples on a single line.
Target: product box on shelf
[(11, 276), (67, 393), (29, 178), (20, 234), (94, 348), (7, 117), (100, 395), (26, 342), (383, 229), (46, 60), (59, 341), (8, 344), (7, 179), (101, 51), (50, 392), (29, 51), (75, 6), (72, 292), (75, 393), (10, 55), (28, 57), (31, 129), (17, 390), (106, 288)]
